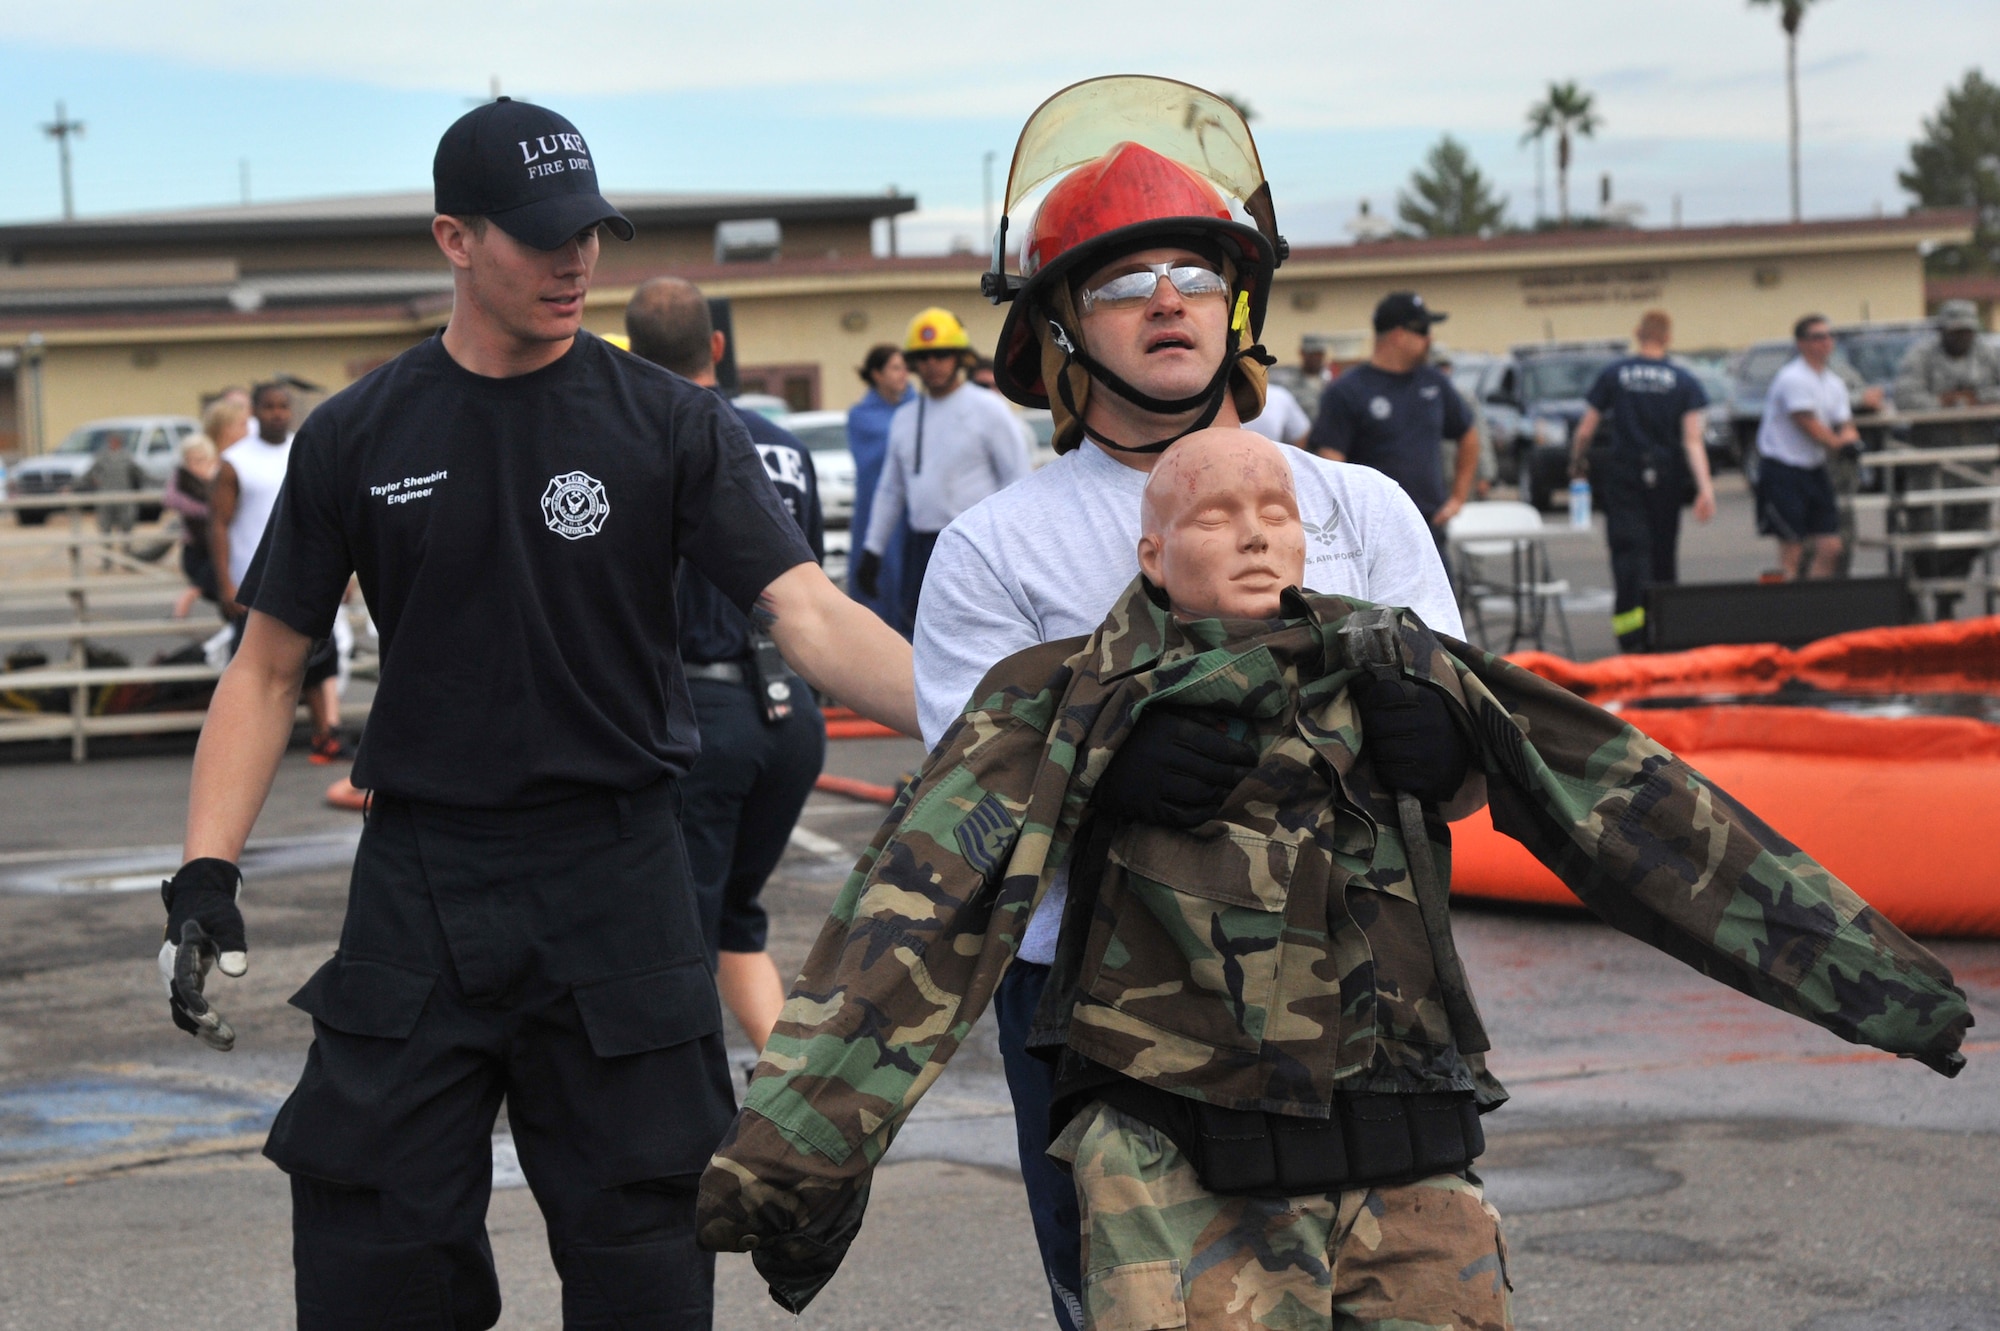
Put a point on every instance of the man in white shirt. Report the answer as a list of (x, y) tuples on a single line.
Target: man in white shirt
[(1806, 418), (951, 446), (1133, 326), (1283, 420)]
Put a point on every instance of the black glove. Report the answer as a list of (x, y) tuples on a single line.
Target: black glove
[(1949, 1065), (796, 1266), (204, 930), (1407, 732), (1174, 770), (868, 574)]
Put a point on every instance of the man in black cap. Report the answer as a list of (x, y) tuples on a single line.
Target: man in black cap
[(1390, 413), (515, 495)]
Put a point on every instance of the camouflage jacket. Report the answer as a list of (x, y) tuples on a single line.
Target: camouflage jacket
[(1926, 374), (1195, 987)]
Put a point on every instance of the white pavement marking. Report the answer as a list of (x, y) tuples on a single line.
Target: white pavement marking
[(140, 868), (812, 843)]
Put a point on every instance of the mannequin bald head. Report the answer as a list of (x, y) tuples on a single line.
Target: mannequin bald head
[(1221, 526)]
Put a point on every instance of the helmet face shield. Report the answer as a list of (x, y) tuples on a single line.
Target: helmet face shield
[(1190, 126)]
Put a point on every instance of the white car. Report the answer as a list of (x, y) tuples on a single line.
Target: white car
[(824, 434), (153, 441)]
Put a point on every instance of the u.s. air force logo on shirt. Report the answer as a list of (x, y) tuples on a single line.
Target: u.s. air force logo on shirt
[(574, 505)]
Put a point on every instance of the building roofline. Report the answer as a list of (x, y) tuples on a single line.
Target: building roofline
[(805, 277), (406, 214), (1944, 225)]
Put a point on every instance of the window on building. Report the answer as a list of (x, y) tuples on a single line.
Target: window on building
[(747, 240), (798, 385)]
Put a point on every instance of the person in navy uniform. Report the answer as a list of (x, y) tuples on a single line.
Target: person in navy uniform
[(1649, 464), (516, 497), (763, 739), (1391, 411)]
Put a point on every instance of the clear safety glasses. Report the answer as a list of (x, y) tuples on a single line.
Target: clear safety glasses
[(1136, 288)]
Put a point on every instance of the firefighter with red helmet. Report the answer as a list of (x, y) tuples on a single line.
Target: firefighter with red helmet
[(1135, 312)]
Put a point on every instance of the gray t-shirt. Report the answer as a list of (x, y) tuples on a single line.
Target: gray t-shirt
[(1046, 558)]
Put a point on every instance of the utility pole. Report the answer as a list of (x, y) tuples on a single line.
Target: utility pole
[(62, 130), (986, 207), (243, 178)]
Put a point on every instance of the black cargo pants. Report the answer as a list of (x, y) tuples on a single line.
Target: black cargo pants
[(547, 956), (1642, 525)]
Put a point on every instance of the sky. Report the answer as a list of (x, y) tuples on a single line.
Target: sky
[(857, 96)]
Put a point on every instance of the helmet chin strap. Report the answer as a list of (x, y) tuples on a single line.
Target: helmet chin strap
[(1209, 398)]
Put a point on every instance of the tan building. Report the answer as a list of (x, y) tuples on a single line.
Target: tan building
[(147, 314)]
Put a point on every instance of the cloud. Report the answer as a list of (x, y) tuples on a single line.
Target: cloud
[(761, 95)]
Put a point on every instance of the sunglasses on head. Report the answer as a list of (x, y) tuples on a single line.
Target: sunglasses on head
[(1136, 288)]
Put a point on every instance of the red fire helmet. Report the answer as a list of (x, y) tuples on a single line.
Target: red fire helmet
[(1130, 199)]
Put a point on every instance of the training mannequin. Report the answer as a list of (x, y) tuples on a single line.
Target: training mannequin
[(1269, 1069)]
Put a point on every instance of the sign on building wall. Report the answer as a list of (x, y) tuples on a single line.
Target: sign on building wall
[(1563, 287)]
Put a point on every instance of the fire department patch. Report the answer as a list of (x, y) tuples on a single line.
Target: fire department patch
[(575, 505)]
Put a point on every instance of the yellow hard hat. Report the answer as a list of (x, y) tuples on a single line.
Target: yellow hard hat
[(619, 340), (936, 329)]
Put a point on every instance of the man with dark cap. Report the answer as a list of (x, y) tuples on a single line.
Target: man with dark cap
[(516, 496), (1390, 413)]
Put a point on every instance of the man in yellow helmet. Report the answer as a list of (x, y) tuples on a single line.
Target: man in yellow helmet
[(951, 446)]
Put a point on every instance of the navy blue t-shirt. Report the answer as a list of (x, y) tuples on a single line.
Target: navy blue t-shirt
[(1642, 402), (712, 628), (1395, 424), (517, 540)]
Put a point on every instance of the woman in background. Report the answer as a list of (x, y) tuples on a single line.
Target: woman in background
[(888, 380), (223, 422)]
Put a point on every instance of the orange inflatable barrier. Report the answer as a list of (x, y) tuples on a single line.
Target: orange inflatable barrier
[(843, 723), (1895, 806)]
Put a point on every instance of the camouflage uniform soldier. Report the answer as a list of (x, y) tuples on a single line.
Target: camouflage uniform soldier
[(1956, 368), (1307, 379), (1284, 973)]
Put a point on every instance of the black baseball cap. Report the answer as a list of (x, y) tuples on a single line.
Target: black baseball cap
[(527, 169), (1406, 309)]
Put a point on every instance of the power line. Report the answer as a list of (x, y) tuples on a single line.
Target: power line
[(62, 130)]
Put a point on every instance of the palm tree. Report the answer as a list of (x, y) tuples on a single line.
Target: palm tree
[(1791, 13), (1567, 109)]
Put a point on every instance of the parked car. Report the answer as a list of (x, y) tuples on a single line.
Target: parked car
[(1042, 425), (154, 441), (1718, 436), (824, 433), (1549, 381), (1876, 350), (767, 405)]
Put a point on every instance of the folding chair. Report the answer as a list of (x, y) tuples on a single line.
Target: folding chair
[(1484, 533)]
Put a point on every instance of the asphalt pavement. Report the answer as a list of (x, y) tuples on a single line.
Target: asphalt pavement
[(1675, 1155)]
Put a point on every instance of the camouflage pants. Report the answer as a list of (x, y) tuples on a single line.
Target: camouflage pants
[(1162, 1252)]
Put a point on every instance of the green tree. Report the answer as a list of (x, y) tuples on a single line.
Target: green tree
[(1566, 111), (1448, 196), (1791, 13), (1956, 164)]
